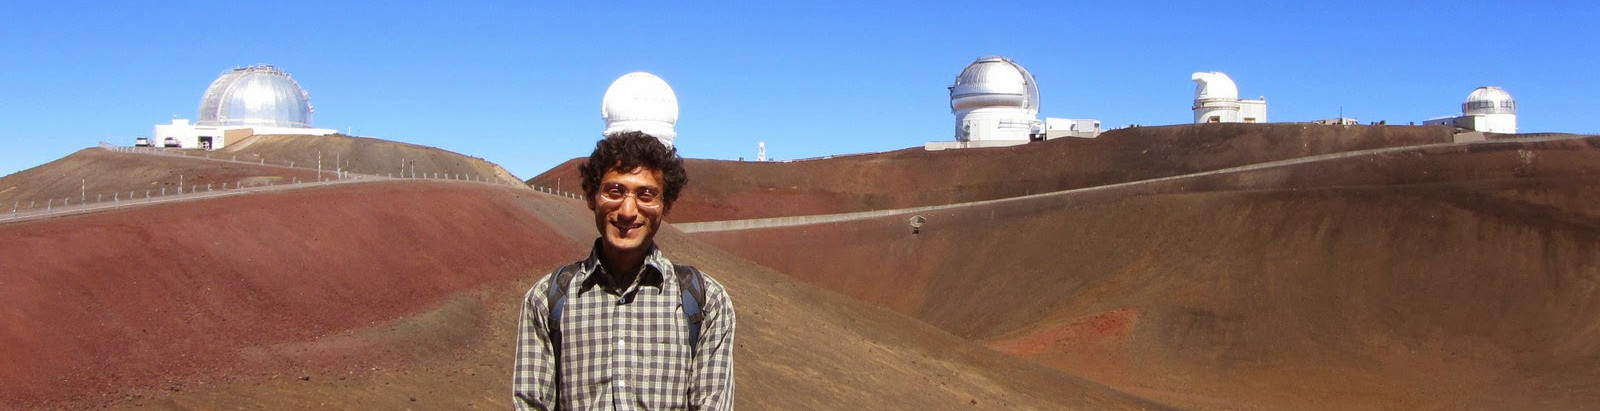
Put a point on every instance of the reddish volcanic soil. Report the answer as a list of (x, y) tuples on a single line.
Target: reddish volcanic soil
[(1442, 278), (405, 295), (151, 296), (1458, 277)]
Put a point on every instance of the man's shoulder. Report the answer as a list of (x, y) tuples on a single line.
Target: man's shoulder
[(541, 288), (713, 290)]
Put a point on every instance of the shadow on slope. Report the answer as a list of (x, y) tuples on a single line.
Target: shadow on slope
[(390, 295), (1442, 278), (727, 190)]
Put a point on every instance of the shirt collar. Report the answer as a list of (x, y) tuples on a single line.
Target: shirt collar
[(651, 275)]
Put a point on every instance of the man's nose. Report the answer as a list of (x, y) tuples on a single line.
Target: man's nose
[(629, 207)]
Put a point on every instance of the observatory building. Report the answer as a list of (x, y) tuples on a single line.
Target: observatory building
[(996, 104), (642, 102), (241, 102), (1488, 109), (1216, 100)]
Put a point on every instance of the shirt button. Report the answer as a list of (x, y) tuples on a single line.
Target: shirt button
[(622, 384), (620, 342)]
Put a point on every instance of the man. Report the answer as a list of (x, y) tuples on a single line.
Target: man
[(620, 335)]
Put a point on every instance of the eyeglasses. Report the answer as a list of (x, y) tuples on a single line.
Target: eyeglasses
[(644, 197)]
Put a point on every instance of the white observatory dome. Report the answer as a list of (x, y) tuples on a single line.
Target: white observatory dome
[(1489, 100), (1214, 85), (255, 96), (994, 81), (640, 101)]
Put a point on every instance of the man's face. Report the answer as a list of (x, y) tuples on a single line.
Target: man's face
[(627, 209)]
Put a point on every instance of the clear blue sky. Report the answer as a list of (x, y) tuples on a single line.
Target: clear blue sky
[(519, 83)]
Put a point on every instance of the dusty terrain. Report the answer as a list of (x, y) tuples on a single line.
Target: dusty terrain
[(365, 155), (725, 190), (1431, 279), (404, 295), (98, 173), (1457, 277), (257, 160)]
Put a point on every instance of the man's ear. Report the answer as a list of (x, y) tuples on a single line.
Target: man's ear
[(588, 200)]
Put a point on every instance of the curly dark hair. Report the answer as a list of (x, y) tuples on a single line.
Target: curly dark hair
[(629, 150)]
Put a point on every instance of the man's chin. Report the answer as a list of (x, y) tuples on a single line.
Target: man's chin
[(626, 245)]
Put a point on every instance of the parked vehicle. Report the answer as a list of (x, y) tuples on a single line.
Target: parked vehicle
[(171, 143), (141, 142)]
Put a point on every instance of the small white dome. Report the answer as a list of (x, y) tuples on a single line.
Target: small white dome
[(1489, 100), (258, 95), (1214, 84), (994, 81), (640, 101)]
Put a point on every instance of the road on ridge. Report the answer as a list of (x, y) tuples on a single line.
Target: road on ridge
[(758, 223)]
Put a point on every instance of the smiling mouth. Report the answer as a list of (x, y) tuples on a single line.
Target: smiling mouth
[(624, 229)]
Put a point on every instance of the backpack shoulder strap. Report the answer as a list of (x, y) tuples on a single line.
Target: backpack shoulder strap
[(556, 297), (693, 288)]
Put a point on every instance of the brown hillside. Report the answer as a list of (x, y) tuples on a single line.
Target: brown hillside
[(365, 155), (95, 172), (727, 190), (256, 160), (405, 295), (1440, 279)]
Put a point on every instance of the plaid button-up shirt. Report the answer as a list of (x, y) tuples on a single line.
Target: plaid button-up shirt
[(626, 351)]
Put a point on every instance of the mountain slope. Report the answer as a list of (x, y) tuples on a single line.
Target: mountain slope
[(405, 294), (1452, 277), (727, 190)]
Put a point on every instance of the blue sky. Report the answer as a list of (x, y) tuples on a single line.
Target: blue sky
[(519, 83)]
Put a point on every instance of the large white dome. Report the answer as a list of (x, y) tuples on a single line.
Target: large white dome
[(1214, 85), (994, 81), (640, 101), (255, 96), (1489, 100)]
